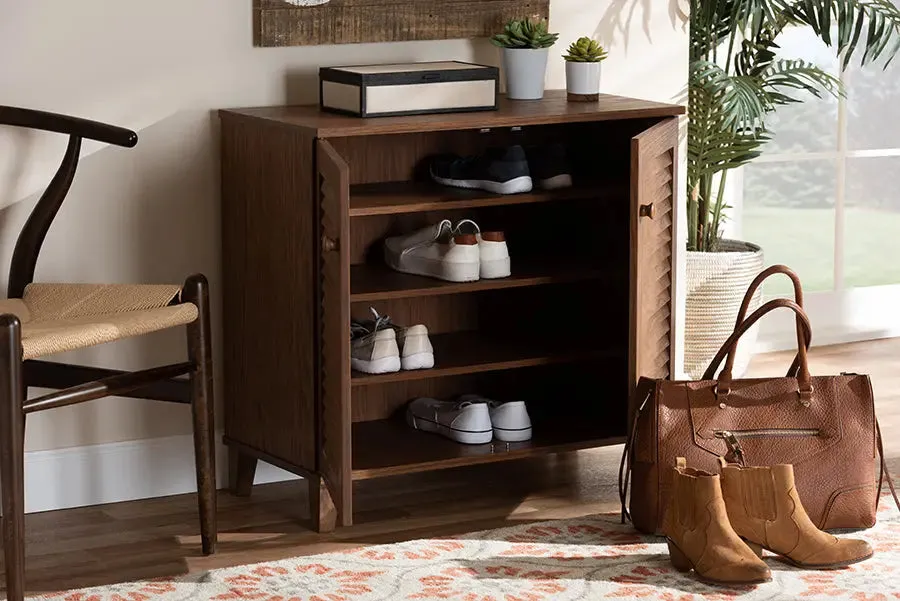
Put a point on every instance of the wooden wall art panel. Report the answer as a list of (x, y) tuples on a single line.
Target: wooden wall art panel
[(312, 22)]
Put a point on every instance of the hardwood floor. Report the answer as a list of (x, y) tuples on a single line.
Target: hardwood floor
[(160, 537)]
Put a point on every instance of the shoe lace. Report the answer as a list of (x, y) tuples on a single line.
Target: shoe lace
[(364, 328)]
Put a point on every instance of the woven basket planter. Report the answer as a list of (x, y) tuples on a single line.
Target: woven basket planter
[(716, 283)]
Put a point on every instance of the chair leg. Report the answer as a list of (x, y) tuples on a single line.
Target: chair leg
[(12, 455), (196, 291)]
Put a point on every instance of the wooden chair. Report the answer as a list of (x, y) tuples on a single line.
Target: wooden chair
[(37, 320)]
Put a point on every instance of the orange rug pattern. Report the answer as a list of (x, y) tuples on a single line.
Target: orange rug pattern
[(566, 560)]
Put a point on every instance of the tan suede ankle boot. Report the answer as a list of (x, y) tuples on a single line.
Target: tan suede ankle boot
[(700, 536), (765, 509)]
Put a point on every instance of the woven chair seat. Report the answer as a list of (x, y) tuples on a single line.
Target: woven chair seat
[(63, 317)]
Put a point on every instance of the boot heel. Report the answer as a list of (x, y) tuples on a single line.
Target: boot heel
[(756, 548), (679, 560)]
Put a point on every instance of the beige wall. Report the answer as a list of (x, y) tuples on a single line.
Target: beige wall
[(161, 67)]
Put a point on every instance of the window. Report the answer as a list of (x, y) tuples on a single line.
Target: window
[(824, 198)]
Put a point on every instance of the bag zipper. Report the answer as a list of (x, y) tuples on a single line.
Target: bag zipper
[(734, 445), (766, 432)]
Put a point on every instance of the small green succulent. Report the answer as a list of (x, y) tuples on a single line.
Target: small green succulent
[(585, 50), (525, 33)]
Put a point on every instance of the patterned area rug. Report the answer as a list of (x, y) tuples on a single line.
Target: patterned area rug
[(585, 558)]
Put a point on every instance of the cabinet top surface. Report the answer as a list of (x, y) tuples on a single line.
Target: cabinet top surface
[(554, 108)]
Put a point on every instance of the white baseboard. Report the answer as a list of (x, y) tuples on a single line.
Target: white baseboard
[(122, 471)]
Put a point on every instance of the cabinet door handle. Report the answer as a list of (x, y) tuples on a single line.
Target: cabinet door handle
[(648, 211), (329, 244)]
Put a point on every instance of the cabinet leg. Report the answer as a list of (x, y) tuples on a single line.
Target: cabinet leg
[(241, 471), (321, 506)]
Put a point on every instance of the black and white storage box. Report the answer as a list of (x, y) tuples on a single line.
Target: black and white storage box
[(408, 89)]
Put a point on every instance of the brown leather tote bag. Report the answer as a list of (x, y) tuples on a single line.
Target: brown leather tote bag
[(824, 425)]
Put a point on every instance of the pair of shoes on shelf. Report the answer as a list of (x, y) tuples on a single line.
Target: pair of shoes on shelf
[(471, 419), (510, 170), (718, 525), (378, 346), (458, 252)]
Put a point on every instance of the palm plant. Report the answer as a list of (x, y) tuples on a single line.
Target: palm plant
[(736, 81)]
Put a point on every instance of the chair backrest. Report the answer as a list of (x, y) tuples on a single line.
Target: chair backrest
[(31, 238)]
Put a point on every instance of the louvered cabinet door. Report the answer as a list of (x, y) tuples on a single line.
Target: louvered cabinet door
[(654, 162), (334, 412)]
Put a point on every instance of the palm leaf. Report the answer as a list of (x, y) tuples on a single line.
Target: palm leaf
[(741, 99), (786, 75), (880, 19)]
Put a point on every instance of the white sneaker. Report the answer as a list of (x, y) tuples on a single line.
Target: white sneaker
[(435, 252), (510, 421), (465, 422), (415, 347), (374, 352), (493, 254)]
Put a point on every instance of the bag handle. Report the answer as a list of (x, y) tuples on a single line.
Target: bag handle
[(628, 458), (883, 471), (798, 298), (729, 350)]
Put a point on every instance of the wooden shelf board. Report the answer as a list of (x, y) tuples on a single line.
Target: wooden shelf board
[(461, 353), (390, 447), (394, 198), (554, 108), (378, 282)]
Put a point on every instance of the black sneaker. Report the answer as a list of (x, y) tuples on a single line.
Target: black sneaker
[(550, 167), (499, 170)]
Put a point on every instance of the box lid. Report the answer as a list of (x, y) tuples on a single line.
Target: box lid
[(408, 73), (408, 67)]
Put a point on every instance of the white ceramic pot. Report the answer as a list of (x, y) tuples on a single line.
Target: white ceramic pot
[(525, 69), (583, 79), (716, 284)]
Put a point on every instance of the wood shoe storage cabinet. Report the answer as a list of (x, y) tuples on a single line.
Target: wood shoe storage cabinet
[(308, 198)]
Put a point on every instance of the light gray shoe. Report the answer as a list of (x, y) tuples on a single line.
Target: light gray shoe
[(415, 347), (465, 422), (416, 351), (374, 350)]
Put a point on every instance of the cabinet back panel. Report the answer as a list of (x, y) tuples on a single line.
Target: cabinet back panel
[(594, 148), (554, 394), (451, 313), (585, 230), (559, 311)]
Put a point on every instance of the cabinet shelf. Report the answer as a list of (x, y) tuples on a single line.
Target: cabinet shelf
[(389, 447), (370, 283), (461, 353), (394, 198)]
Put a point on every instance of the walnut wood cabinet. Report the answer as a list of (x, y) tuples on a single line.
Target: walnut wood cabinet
[(308, 197)]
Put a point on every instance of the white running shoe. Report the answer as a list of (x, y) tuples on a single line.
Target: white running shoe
[(435, 252), (415, 347), (374, 350), (465, 422), (510, 421), (493, 253)]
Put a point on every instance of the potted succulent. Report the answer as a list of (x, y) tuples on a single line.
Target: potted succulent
[(583, 69), (736, 81), (525, 45)]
